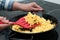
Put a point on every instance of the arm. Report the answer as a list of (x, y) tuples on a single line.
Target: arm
[(12, 5), (27, 7)]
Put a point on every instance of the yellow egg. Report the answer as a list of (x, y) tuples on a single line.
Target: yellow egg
[(33, 18)]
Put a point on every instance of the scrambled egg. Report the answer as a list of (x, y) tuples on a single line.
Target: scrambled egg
[(33, 18)]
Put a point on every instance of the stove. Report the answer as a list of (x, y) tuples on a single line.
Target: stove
[(52, 35), (50, 8)]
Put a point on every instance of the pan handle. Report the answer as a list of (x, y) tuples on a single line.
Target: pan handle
[(43, 12)]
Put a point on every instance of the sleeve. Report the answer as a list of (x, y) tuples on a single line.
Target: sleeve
[(6, 4)]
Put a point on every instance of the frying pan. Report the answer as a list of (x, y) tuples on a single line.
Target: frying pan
[(46, 16)]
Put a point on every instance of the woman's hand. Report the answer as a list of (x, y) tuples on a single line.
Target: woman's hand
[(5, 21), (27, 7)]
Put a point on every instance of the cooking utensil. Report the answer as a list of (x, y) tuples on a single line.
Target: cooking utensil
[(22, 22)]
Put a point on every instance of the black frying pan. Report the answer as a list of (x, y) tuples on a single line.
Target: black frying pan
[(46, 16)]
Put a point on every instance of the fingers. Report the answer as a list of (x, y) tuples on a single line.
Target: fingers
[(36, 7), (5, 21), (2, 18), (11, 23), (4, 25)]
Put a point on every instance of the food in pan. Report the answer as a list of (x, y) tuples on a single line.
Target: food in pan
[(44, 25)]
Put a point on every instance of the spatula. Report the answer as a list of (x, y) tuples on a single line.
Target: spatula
[(22, 22)]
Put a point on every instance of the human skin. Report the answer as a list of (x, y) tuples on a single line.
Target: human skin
[(27, 7), (19, 7)]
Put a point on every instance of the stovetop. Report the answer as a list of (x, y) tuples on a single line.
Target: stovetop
[(51, 9), (52, 35)]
